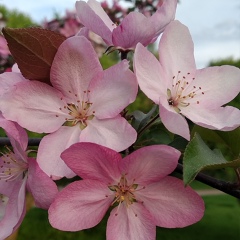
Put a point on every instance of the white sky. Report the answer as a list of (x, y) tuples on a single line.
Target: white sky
[(214, 24)]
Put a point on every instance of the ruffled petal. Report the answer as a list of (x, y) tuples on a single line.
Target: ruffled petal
[(223, 118), (171, 204), (34, 106), (42, 188), (149, 74), (81, 205), (92, 16), (219, 85), (149, 164), (115, 133), (112, 93), (74, 66), (163, 16), (50, 149), (134, 28), (176, 50), (92, 161), (132, 223), (172, 120)]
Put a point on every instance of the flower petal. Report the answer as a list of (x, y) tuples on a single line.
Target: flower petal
[(74, 66), (130, 223), (92, 16), (92, 161), (176, 50), (149, 164), (16, 134), (222, 118), (34, 105), (50, 149), (163, 16), (42, 188), (149, 74), (172, 120), (115, 133), (171, 204), (14, 210), (8, 80), (134, 28), (219, 85), (80, 205), (112, 93)]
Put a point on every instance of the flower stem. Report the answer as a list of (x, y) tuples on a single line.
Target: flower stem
[(148, 125)]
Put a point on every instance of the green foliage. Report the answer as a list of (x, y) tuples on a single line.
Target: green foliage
[(198, 156), (16, 19)]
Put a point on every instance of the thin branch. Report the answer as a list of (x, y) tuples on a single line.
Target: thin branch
[(227, 187), (31, 141)]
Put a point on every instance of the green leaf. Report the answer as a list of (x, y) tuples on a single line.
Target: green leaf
[(229, 140), (33, 50), (140, 119), (198, 156)]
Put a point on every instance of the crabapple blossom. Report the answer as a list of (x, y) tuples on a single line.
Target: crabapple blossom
[(181, 90), (138, 185), (18, 174), (83, 105), (134, 28)]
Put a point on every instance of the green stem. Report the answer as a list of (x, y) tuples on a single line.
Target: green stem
[(148, 125)]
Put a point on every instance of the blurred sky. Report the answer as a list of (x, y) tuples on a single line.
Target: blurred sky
[(214, 24)]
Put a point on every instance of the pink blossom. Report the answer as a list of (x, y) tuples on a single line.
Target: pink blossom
[(83, 105), (138, 185), (134, 28), (18, 173), (181, 90), (4, 50)]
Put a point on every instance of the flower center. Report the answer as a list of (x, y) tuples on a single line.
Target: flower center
[(3, 202), (183, 92), (124, 192), (80, 112), (11, 167)]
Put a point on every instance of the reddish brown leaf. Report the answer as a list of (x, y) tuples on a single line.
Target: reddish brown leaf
[(33, 50)]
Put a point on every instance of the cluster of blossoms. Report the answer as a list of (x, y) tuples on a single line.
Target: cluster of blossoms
[(82, 112)]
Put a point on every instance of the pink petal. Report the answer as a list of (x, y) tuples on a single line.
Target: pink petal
[(92, 16), (149, 164), (92, 161), (115, 133), (163, 16), (50, 149), (14, 211), (131, 223), (222, 118), (42, 188), (81, 205), (149, 74), (16, 134), (171, 204), (34, 105), (112, 93), (8, 81), (176, 50), (74, 66), (218, 84), (172, 120), (134, 28)]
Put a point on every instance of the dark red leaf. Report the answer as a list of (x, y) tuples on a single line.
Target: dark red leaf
[(33, 50)]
